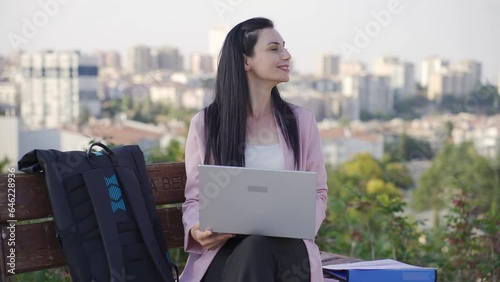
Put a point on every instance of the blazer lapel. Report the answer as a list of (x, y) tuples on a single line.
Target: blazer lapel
[(287, 152)]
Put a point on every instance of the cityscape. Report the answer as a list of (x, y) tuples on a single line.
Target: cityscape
[(65, 98), (410, 135)]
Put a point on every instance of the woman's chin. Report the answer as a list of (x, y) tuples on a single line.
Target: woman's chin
[(284, 79)]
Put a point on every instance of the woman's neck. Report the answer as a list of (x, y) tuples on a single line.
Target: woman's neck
[(260, 100)]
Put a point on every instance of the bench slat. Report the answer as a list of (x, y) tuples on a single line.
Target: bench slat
[(32, 200), (38, 248)]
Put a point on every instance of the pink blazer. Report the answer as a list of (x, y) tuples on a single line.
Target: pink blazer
[(311, 159)]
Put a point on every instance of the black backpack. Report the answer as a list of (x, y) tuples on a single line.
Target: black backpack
[(104, 213)]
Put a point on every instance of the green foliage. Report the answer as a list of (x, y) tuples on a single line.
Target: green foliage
[(458, 167), (484, 100), (410, 107), (179, 257), (398, 174), (3, 164), (50, 275), (84, 114), (406, 108), (173, 153), (372, 225), (144, 112), (408, 148), (472, 242), (449, 129), (127, 103), (111, 108), (363, 166), (365, 116), (363, 202), (366, 225)]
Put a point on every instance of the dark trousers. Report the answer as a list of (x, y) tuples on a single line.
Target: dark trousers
[(260, 259)]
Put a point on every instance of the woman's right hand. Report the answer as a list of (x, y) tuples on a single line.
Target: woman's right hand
[(207, 239)]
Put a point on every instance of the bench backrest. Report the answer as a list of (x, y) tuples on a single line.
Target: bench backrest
[(36, 245)]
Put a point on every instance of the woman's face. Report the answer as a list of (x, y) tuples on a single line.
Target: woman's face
[(270, 61)]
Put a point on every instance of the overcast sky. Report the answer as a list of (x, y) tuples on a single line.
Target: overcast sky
[(453, 29)]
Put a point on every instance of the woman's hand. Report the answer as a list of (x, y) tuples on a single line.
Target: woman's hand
[(207, 239)]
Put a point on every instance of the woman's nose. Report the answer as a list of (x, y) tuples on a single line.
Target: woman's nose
[(287, 56)]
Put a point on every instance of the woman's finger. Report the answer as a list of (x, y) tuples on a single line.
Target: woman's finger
[(199, 235), (216, 240)]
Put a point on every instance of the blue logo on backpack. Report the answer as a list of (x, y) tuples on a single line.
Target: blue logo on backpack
[(115, 193)]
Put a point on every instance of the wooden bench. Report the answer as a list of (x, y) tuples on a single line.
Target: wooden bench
[(36, 245)]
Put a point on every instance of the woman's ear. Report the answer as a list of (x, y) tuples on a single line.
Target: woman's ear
[(246, 62)]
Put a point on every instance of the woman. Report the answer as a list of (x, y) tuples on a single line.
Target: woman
[(248, 124)]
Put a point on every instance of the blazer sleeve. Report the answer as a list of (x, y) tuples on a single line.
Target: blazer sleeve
[(194, 156), (314, 161)]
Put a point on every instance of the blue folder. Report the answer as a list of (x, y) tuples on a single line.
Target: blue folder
[(381, 271)]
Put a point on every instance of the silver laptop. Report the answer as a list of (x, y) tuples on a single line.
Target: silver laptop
[(240, 200)]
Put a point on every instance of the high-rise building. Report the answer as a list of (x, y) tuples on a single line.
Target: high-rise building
[(9, 95), (430, 66), (169, 58), (14, 58), (369, 93), (216, 37), (327, 85), (112, 59), (402, 75), (328, 65), (58, 88), (403, 80), (140, 59), (108, 59), (201, 63), (384, 65), (447, 82), (352, 68), (459, 79), (472, 70)]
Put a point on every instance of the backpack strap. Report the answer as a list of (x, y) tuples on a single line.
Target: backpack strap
[(139, 210), (138, 157), (99, 196)]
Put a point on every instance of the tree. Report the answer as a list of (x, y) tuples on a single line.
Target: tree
[(483, 100), (458, 167), (364, 166), (379, 187), (408, 148), (398, 174), (126, 103), (366, 221), (449, 130), (363, 217), (410, 107)]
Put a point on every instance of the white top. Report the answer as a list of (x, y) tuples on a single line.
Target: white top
[(264, 156)]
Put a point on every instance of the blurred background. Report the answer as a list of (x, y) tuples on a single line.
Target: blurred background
[(406, 95)]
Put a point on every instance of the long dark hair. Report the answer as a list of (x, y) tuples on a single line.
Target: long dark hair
[(226, 116)]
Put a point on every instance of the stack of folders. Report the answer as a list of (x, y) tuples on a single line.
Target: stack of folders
[(386, 270)]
